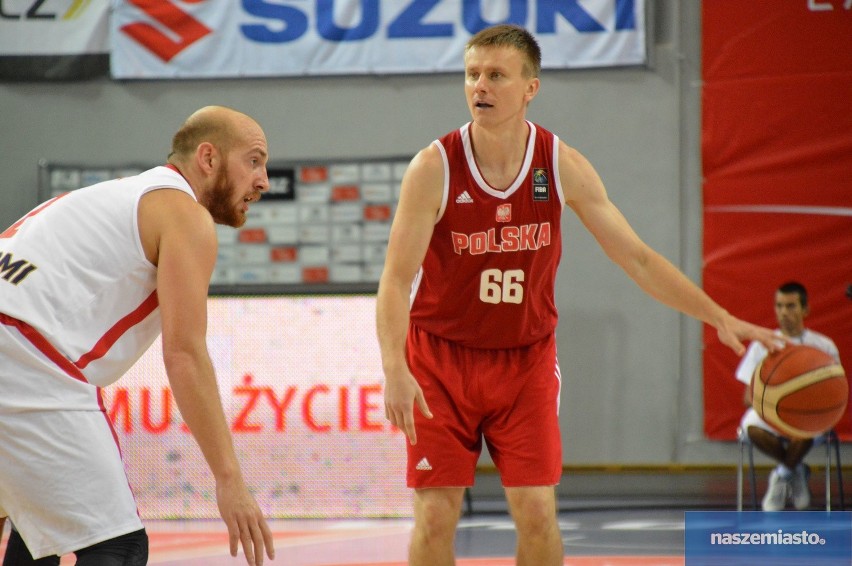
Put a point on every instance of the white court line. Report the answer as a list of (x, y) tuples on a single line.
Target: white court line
[(783, 209)]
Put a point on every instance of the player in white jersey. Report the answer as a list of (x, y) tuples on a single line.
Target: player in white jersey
[(789, 480), (88, 280)]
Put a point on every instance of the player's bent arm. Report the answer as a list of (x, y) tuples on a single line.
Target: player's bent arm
[(586, 195), (185, 255)]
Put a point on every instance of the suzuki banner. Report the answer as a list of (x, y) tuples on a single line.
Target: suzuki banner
[(265, 38)]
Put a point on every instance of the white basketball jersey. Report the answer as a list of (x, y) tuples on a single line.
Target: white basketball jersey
[(77, 293)]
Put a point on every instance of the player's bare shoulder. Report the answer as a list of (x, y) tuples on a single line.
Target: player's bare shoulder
[(580, 181), (426, 167), (423, 182), (167, 210), (571, 160)]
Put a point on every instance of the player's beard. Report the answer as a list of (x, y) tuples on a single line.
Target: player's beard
[(219, 201)]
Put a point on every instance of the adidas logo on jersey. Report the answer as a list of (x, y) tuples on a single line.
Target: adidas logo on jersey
[(424, 465), (464, 198)]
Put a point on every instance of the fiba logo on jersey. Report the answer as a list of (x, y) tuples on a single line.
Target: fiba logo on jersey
[(541, 187), (504, 213)]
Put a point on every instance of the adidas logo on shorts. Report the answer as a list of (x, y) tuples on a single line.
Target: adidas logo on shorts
[(424, 465)]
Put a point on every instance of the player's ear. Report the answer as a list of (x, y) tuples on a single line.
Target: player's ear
[(205, 156), (532, 88)]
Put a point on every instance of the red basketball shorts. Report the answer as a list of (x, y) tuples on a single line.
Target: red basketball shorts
[(508, 397)]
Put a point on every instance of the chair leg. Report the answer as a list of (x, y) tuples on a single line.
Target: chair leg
[(740, 476), (752, 476), (836, 441), (828, 442)]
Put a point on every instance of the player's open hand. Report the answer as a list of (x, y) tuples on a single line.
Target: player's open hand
[(245, 522), (733, 332), (402, 392)]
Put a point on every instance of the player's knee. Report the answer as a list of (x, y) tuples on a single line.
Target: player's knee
[(535, 517), (125, 550), (437, 514), (533, 509)]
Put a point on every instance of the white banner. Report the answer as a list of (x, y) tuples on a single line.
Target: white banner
[(54, 27), (263, 38)]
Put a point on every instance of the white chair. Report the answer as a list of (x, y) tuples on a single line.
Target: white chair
[(830, 440)]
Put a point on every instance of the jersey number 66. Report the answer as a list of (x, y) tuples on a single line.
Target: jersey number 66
[(497, 286)]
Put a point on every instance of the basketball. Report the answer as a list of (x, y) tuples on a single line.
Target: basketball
[(800, 390)]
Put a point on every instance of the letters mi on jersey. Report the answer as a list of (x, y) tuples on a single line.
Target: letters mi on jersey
[(511, 239), (14, 271)]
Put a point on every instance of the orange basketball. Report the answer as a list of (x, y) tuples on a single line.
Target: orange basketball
[(800, 390)]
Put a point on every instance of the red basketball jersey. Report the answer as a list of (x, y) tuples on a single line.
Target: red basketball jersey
[(487, 280)]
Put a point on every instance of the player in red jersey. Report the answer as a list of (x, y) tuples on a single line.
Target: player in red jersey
[(466, 311)]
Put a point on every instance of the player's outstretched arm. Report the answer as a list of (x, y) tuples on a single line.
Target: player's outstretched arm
[(185, 255), (586, 195)]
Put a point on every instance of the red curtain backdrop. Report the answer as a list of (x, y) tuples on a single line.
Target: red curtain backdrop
[(777, 165)]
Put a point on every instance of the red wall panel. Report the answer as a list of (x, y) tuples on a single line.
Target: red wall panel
[(777, 164)]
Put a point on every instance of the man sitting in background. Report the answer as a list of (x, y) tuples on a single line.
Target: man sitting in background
[(789, 480)]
